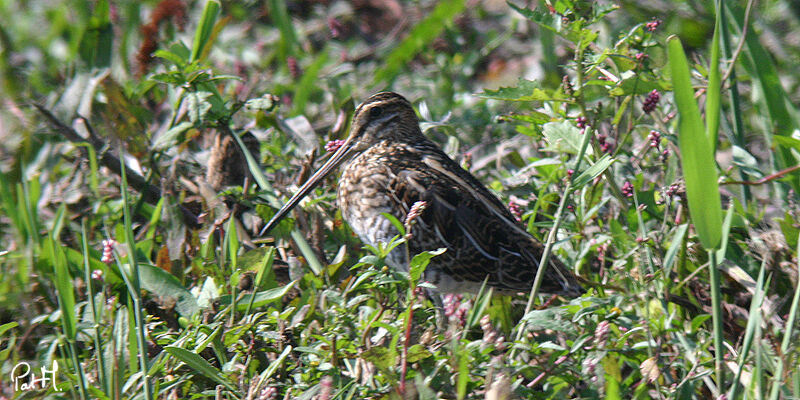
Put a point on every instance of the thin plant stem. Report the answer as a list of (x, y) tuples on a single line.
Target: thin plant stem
[(133, 284), (101, 369), (790, 321), (716, 315)]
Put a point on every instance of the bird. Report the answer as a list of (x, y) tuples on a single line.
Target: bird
[(389, 167)]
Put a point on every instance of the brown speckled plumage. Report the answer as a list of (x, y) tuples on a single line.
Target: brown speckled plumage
[(393, 165)]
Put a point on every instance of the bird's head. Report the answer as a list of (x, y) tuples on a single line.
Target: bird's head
[(385, 116)]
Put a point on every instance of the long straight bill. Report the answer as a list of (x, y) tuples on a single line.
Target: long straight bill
[(341, 154)]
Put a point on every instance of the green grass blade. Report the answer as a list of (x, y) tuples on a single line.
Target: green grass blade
[(96, 316), (697, 157), (205, 29), (287, 46), (199, 364), (713, 91), (787, 335), (266, 265), (750, 330), (64, 288), (134, 285)]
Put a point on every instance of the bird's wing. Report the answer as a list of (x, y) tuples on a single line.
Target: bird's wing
[(481, 235)]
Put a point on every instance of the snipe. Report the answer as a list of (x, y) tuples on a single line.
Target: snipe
[(392, 166)]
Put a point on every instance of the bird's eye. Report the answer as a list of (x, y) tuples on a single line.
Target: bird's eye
[(375, 112)]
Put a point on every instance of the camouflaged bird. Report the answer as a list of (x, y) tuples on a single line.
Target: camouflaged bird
[(392, 166)]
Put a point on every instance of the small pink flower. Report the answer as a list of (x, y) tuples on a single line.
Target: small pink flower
[(655, 138), (108, 250), (97, 275), (653, 25), (515, 209), (415, 212), (333, 145), (627, 189), (601, 334)]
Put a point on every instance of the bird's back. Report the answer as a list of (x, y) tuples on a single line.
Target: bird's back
[(480, 234)]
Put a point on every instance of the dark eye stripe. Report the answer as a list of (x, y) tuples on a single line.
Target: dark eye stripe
[(375, 111)]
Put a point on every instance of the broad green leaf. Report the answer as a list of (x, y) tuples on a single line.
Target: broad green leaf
[(416, 353), (420, 261), (549, 318), (261, 298), (199, 364), (562, 137), (383, 358), (524, 91), (636, 84), (697, 157), (263, 270), (197, 105), (165, 285), (170, 137)]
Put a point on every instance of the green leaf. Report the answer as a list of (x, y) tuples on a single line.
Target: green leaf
[(420, 261), (562, 137), (205, 29), (524, 91), (421, 35), (199, 364), (170, 137), (267, 102), (165, 285), (64, 288), (713, 92), (383, 358), (179, 60), (593, 172), (261, 298), (263, 270), (574, 32), (416, 353), (635, 84), (675, 245), (549, 318), (197, 105), (699, 320), (287, 46), (5, 327), (697, 157)]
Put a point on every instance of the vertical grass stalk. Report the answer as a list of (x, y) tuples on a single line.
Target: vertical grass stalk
[(132, 281)]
